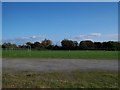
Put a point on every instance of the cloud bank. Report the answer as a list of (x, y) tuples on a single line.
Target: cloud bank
[(88, 37), (39, 38), (23, 40), (97, 37)]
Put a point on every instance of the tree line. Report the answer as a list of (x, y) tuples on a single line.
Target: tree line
[(65, 45)]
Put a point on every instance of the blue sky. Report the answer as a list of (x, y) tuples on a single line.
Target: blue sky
[(0, 22), (24, 22)]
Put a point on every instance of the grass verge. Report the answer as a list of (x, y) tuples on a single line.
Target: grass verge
[(73, 79)]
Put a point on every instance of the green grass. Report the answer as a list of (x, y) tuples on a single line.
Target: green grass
[(60, 54), (73, 79)]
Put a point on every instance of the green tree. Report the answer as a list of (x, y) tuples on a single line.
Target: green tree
[(38, 45), (68, 44), (46, 43), (97, 45), (9, 46), (86, 45)]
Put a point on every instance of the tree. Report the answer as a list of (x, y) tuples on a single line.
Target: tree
[(3, 46), (9, 46), (13, 46), (38, 45), (28, 43), (68, 44), (56, 47), (86, 45), (50, 47), (104, 45), (97, 45), (46, 43), (112, 45), (75, 44)]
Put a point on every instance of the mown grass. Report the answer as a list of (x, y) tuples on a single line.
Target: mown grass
[(73, 79), (60, 54)]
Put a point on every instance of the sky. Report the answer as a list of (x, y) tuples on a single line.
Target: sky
[(0, 22), (35, 21), (60, 0)]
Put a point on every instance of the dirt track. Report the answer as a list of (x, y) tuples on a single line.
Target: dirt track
[(58, 65)]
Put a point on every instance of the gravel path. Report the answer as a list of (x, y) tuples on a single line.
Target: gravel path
[(58, 65)]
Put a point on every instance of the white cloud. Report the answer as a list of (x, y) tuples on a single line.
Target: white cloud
[(110, 36), (33, 37), (95, 34), (88, 37), (97, 37), (23, 40), (37, 37)]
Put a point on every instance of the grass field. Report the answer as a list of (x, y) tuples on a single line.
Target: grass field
[(73, 79), (60, 54)]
